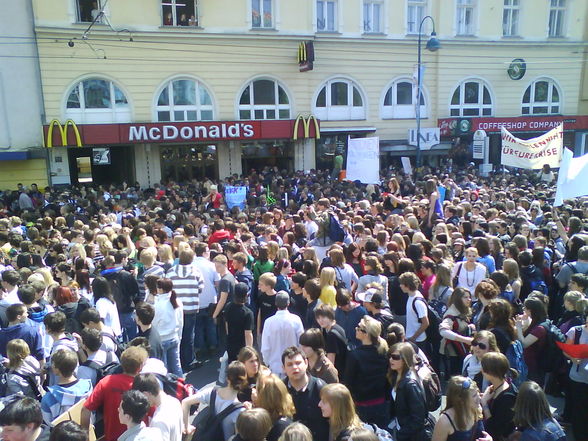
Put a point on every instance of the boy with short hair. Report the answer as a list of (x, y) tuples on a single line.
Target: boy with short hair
[(417, 320), (90, 319), (144, 314), (96, 356), (19, 328), (311, 292), (266, 300), (132, 410), (68, 389)]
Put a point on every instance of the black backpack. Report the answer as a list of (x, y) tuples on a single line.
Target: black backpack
[(551, 359), (432, 331), (209, 424), (120, 347), (103, 371)]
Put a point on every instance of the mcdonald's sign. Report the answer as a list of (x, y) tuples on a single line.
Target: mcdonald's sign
[(306, 56), (306, 124), (63, 131)]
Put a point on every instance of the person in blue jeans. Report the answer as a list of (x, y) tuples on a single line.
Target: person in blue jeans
[(533, 417), (169, 321)]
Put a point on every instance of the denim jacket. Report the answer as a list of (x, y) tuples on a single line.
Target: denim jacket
[(550, 430)]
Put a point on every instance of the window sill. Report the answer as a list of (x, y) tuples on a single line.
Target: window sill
[(466, 36), (328, 32), (557, 37), (256, 29), (373, 34), (181, 28), (88, 23), (512, 37)]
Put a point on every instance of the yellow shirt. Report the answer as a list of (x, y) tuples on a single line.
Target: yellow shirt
[(328, 296)]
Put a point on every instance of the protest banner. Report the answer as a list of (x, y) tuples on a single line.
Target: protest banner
[(533, 153), (235, 197), (363, 160), (571, 181)]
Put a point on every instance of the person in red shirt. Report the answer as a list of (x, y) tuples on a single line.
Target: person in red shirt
[(214, 198), (107, 394), (219, 233)]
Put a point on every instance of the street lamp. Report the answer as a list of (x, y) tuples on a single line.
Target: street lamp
[(432, 45)]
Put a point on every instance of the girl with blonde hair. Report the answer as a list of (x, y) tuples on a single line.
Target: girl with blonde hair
[(441, 289), (374, 270), (365, 372), (397, 237), (296, 432), (327, 282), (511, 268), (462, 417), (272, 250), (337, 405), (23, 370), (166, 256), (272, 395)]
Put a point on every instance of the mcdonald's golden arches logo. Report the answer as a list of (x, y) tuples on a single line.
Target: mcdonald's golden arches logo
[(306, 56), (306, 124), (63, 131)]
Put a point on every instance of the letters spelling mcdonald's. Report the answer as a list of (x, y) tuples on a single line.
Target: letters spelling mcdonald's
[(306, 124), (63, 131)]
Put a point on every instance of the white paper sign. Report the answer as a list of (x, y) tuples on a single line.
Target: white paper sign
[(533, 153), (235, 197), (406, 165), (571, 182), (363, 160)]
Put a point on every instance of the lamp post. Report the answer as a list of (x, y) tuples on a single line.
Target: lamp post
[(432, 45)]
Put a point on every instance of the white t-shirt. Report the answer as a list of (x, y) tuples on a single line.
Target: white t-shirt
[(109, 315), (412, 319), (469, 279), (168, 418)]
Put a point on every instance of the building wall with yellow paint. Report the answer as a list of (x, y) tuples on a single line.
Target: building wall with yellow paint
[(225, 52), (25, 172)]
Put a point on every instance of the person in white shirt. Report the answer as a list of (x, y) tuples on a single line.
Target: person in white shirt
[(280, 331), (168, 410), (469, 273), (417, 320), (131, 411), (169, 321)]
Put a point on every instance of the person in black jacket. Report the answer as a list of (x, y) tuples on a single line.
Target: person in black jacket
[(305, 391), (409, 408), (365, 373)]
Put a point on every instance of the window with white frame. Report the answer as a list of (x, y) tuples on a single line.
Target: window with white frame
[(416, 10), (261, 14), (326, 15), (542, 97), (179, 12), (400, 101), (97, 100), (465, 17), (373, 16), (264, 99), (471, 98), (184, 100), (89, 10), (557, 14), (338, 100), (510, 18)]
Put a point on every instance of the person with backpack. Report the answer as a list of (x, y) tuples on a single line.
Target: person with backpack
[(374, 270), (456, 331), (532, 277), (373, 302), (409, 410), (68, 301), (219, 422), (576, 393), (498, 400), (96, 357), (105, 305), (417, 317), (23, 371), (91, 319), (565, 273), (346, 276), (365, 372), (533, 337)]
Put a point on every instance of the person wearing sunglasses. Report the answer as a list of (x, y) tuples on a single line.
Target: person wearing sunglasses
[(482, 343), (365, 373), (499, 398), (462, 418), (408, 409)]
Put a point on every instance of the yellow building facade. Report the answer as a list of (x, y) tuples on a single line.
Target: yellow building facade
[(170, 62)]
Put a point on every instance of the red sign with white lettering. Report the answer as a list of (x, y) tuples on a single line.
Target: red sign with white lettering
[(454, 126), (185, 132)]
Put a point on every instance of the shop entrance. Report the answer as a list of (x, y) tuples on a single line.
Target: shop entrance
[(101, 165), (269, 154), (184, 163)]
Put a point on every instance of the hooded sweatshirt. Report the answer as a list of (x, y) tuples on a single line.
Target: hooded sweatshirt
[(188, 285)]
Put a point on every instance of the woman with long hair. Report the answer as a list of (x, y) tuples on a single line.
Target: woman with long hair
[(533, 337), (455, 330), (499, 398), (441, 289), (262, 264), (296, 432), (461, 420), (223, 397), (281, 271), (409, 410), (469, 273), (511, 268), (502, 324), (374, 271), (337, 405), (169, 321), (365, 372), (105, 304), (355, 258), (533, 417), (497, 252), (327, 281), (82, 277), (251, 359), (272, 395), (482, 343), (346, 276), (484, 256), (312, 344)]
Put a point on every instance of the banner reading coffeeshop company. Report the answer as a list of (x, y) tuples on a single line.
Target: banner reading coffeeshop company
[(532, 153)]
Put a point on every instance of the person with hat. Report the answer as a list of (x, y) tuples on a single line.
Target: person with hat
[(376, 306), (281, 331)]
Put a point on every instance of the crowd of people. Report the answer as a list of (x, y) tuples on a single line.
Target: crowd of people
[(340, 311)]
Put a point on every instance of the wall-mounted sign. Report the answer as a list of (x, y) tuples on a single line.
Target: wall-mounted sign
[(429, 137), (101, 156), (517, 69)]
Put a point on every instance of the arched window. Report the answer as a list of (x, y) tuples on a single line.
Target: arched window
[(541, 98), (264, 99), (339, 99), (400, 101), (184, 100), (471, 98), (97, 100)]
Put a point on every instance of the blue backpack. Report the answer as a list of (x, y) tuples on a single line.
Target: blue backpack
[(538, 285), (514, 354), (336, 231)]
